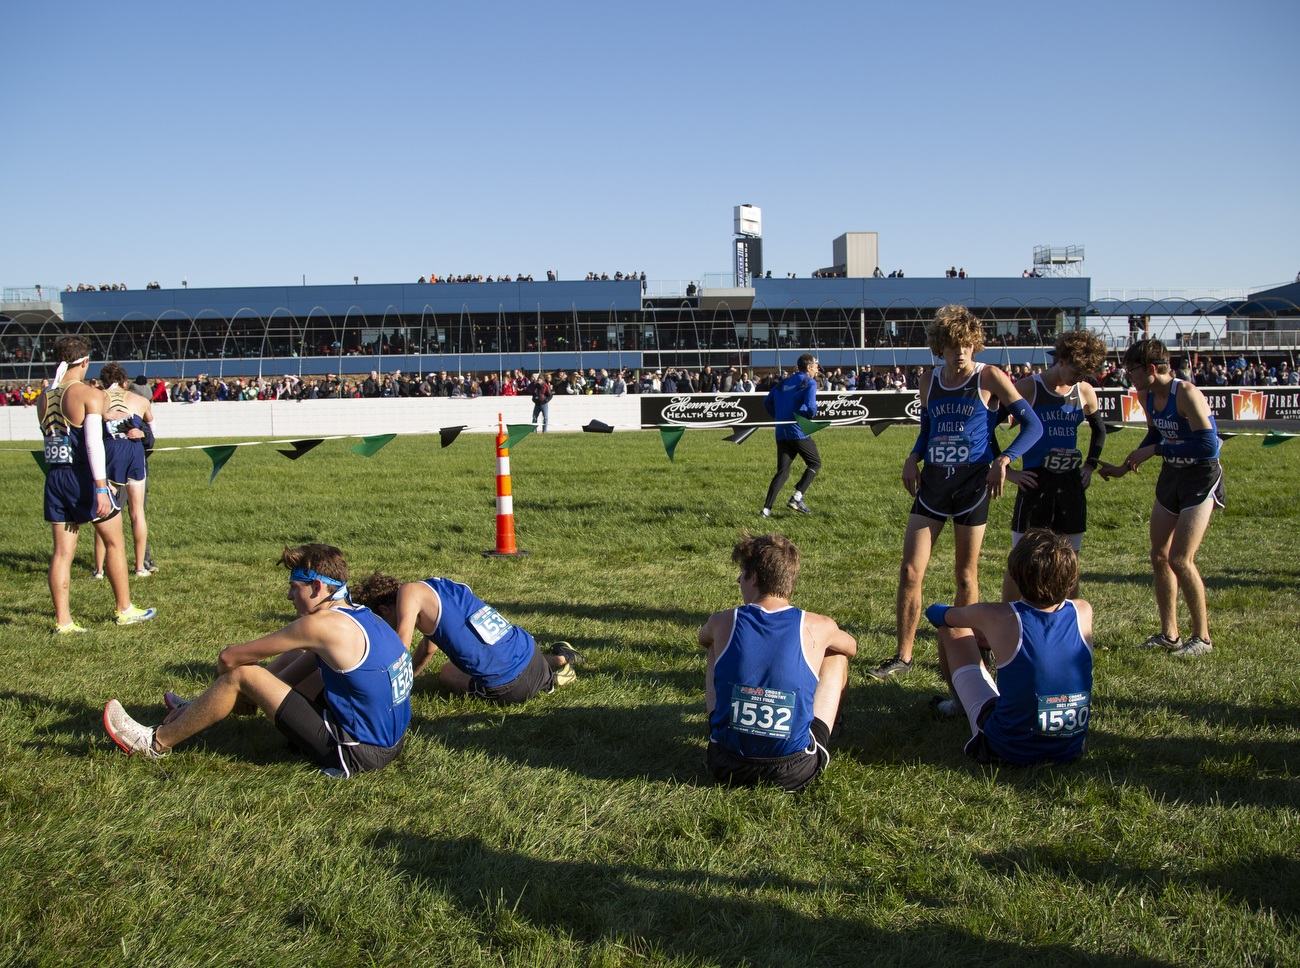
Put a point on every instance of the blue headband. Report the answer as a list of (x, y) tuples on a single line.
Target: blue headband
[(306, 575)]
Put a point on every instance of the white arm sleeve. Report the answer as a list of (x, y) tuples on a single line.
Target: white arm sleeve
[(93, 430)]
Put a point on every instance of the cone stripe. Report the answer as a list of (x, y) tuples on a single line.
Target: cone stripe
[(505, 503)]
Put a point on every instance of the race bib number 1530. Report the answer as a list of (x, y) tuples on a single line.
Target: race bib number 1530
[(761, 712), (1063, 715)]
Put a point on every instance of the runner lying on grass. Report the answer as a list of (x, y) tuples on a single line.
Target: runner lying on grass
[(487, 656)]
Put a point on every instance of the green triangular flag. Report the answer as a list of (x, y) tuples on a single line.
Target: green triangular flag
[(448, 434), (219, 457), (1275, 437), (808, 426), (1224, 435), (370, 446), (880, 426), (301, 447), (516, 433), (670, 435), (40, 459)]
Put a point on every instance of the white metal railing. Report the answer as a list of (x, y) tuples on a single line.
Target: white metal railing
[(667, 288), (21, 294), (718, 280), (1157, 294)]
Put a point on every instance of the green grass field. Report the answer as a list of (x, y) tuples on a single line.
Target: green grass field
[(582, 828)]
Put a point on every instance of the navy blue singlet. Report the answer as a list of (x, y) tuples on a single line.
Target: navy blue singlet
[(1174, 428), (1058, 448), (960, 424)]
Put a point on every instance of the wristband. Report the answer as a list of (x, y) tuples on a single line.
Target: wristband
[(101, 490), (1160, 448), (937, 615), (1092, 462)]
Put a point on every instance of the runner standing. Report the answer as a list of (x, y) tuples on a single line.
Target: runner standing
[(1055, 477), (1182, 431), (959, 403)]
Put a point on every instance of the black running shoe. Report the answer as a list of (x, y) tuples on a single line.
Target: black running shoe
[(894, 667), (571, 655)]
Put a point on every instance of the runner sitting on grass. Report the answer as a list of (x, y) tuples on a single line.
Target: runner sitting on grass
[(339, 688), (1038, 711), (487, 656), (774, 674)]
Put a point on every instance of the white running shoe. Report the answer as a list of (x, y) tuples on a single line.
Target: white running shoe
[(143, 573), (128, 734), (174, 702)]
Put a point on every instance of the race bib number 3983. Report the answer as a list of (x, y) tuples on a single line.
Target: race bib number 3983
[(401, 675), (1063, 715), (761, 712), (489, 625), (58, 449)]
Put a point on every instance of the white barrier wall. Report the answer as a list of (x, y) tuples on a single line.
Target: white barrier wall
[(283, 419)]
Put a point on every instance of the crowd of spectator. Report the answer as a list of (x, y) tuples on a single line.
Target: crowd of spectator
[(205, 387), (91, 287), (955, 273), (434, 277)]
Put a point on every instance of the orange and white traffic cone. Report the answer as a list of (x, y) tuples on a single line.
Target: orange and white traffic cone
[(505, 502)]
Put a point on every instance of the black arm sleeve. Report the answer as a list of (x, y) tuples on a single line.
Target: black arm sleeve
[(1098, 441)]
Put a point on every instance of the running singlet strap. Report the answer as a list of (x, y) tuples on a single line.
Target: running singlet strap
[(372, 700), (476, 638)]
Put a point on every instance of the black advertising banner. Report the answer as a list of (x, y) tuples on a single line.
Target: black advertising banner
[(855, 409), (1226, 403), (708, 410)]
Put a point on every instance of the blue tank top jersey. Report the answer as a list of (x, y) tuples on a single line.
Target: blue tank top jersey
[(1046, 690), (960, 422), (64, 443), (1058, 448), (1173, 426), (476, 639), (372, 700), (763, 686)]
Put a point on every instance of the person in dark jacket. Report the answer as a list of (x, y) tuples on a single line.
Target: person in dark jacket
[(795, 395)]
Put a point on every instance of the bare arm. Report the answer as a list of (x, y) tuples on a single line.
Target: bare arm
[(414, 601), (911, 475), (995, 621), (336, 640), (714, 636), (999, 385), (824, 630)]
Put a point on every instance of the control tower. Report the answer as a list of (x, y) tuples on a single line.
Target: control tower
[(1058, 260)]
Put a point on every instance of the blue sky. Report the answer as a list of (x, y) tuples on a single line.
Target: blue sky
[(255, 143)]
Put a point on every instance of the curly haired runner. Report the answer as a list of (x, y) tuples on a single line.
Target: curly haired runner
[(959, 406), (1053, 484), (487, 656), (339, 688)]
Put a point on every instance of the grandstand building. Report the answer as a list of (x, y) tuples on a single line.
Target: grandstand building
[(491, 326)]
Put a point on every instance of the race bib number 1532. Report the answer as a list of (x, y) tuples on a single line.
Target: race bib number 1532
[(761, 712)]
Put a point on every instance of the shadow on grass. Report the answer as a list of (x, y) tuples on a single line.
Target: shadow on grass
[(25, 561), (606, 613), (693, 914), (659, 742), (80, 730), (887, 724), (1252, 578), (1269, 882)]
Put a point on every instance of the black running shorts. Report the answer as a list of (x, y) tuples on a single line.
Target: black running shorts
[(791, 773), (1179, 489), (960, 493), (312, 728), (1058, 503), (538, 676)]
